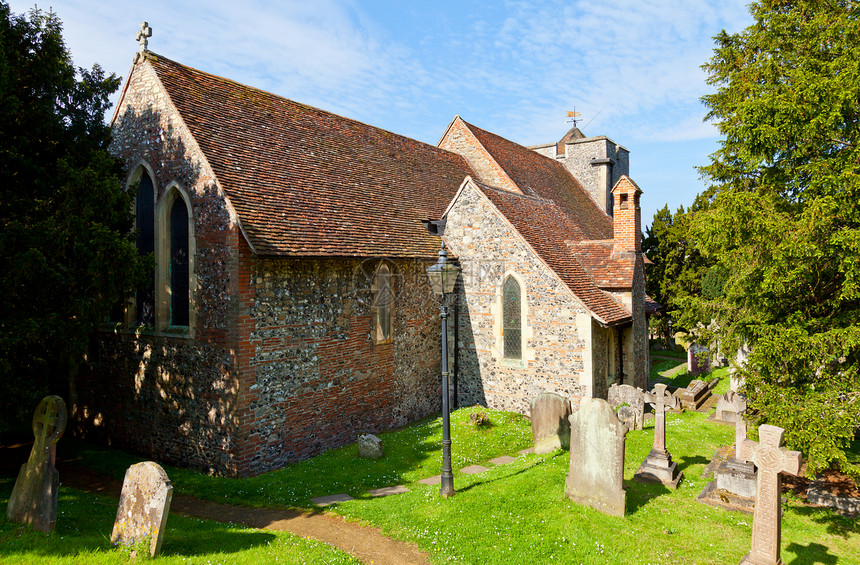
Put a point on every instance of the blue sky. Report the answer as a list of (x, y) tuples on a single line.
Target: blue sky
[(630, 67)]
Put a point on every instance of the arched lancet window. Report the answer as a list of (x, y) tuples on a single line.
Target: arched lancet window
[(145, 224), (512, 319), (179, 261), (383, 297)]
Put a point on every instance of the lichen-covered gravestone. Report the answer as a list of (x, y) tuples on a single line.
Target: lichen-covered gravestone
[(596, 472), (550, 425), (624, 396), (143, 507), (34, 497), (658, 465), (369, 446), (771, 460)]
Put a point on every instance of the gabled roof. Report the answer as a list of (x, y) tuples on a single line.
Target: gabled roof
[(538, 175), (607, 270), (546, 226), (307, 182)]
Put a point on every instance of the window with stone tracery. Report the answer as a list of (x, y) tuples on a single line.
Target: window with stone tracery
[(512, 319), (383, 300), (145, 224)]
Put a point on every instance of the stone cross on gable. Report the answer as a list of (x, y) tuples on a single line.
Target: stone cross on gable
[(771, 460), (660, 400), (144, 33)]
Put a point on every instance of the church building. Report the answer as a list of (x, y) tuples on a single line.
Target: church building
[(289, 309)]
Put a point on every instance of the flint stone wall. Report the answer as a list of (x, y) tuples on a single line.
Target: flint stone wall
[(557, 328)]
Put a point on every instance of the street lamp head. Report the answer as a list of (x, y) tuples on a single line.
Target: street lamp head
[(443, 274)]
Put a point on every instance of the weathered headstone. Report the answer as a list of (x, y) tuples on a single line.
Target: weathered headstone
[(550, 425), (771, 460), (621, 395), (34, 497), (143, 507), (730, 407), (369, 446), (596, 472), (698, 359), (658, 465), (734, 484), (695, 395)]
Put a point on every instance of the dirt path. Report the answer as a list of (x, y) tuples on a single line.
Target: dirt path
[(365, 543)]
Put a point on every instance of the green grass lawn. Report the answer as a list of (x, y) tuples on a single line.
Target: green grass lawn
[(84, 524), (512, 514)]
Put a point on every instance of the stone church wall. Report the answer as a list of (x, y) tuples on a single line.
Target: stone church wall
[(557, 327), (319, 376)]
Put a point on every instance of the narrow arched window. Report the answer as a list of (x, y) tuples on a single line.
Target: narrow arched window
[(145, 224), (383, 297), (512, 319), (179, 272)]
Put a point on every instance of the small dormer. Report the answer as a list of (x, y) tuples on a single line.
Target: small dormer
[(626, 217)]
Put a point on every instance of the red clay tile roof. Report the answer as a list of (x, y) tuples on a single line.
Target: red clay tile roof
[(541, 176), (608, 271), (546, 226), (307, 182)]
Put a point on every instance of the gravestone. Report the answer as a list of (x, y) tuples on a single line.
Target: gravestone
[(730, 407), (596, 472), (698, 359), (658, 465), (34, 496), (621, 395), (143, 507), (734, 484), (695, 395), (369, 446), (550, 425), (771, 460)]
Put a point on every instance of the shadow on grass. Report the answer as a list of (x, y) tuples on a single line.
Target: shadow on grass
[(85, 522), (835, 523), (811, 554), (685, 462), (639, 494)]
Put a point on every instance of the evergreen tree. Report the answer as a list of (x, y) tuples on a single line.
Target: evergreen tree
[(66, 249), (784, 224)]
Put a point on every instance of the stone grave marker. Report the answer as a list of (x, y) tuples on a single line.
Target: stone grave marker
[(658, 465), (550, 425), (695, 395), (730, 407), (621, 395), (369, 446), (144, 504), (771, 460), (34, 496), (734, 483), (596, 472), (698, 359)]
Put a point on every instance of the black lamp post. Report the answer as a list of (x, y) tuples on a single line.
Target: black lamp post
[(443, 277)]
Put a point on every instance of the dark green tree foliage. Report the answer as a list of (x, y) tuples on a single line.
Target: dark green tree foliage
[(66, 253), (784, 226), (678, 266)]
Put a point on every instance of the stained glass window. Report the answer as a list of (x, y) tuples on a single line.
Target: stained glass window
[(511, 319), (145, 224), (179, 287)]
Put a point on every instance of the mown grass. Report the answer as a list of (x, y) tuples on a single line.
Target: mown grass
[(511, 514), (84, 524)]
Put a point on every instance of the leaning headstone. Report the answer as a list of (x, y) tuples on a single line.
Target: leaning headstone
[(596, 472), (730, 407), (658, 465), (34, 497), (695, 395), (698, 359), (144, 504), (627, 395), (369, 446), (771, 460), (550, 425)]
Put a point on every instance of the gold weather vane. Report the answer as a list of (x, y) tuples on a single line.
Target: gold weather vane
[(573, 117)]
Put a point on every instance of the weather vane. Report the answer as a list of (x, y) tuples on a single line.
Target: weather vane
[(573, 117)]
